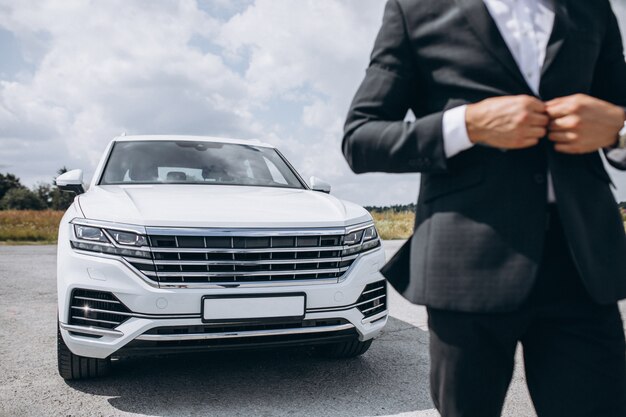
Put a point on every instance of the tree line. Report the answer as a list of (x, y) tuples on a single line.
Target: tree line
[(396, 208), (16, 196)]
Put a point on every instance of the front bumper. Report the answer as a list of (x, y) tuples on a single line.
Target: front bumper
[(151, 308)]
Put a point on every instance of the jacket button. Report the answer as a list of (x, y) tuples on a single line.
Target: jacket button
[(539, 178)]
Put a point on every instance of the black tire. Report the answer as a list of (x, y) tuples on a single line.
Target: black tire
[(79, 367), (344, 350)]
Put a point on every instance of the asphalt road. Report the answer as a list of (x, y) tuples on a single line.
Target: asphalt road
[(391, 379)]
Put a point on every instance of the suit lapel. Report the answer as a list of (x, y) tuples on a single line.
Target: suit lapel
[(558, 35), (487, 31)]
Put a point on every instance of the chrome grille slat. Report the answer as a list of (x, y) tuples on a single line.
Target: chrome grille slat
[(214, 232), (251, 250), (262, 262), (372, 290), (78, 297), (249, 274), (97, 310), (95, 320)]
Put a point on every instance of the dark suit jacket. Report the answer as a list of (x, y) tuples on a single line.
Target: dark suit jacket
[(480, 220)]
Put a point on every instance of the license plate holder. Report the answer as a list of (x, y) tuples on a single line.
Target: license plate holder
[(251, 308)]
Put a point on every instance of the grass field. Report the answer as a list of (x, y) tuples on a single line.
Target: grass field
[(40, 227), (29, 226), (394, 225)]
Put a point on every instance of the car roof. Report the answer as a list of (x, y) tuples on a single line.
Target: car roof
[(183, 138)]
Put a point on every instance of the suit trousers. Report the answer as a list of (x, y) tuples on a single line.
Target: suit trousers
[(574, 349)]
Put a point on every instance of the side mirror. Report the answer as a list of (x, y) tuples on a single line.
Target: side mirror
[(71, 181), (319, 185)]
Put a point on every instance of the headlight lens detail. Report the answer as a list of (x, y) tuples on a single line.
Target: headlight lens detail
[(93, 234), (370, 233), (96, 239), (360, 240), (353, 238), (128, 238), (111, 250)]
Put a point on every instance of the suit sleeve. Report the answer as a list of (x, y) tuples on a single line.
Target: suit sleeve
[(376, 137), (610, 78)]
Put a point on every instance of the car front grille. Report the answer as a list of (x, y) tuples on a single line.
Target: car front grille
[(373, 300), (239, 259), (96, 309)]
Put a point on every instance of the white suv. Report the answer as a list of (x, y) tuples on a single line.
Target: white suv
[(194, 243)]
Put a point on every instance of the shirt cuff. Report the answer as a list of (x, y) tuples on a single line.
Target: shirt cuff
[(455, 137)]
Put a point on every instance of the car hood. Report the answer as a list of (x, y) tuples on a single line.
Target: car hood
[(169, 205)]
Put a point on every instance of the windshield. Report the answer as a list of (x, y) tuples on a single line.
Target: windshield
[(197, 162)]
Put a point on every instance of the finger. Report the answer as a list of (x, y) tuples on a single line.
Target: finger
[(536, 105), (562, 137), (538, 119), (558, 110), (564, 99), (563, 123), (561, 106), (556, 101), (535, 132)]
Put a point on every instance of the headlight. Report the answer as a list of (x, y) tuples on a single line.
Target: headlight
[(360, 240), (100, 240)]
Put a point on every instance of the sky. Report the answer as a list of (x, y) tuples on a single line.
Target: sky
[(74, 74)]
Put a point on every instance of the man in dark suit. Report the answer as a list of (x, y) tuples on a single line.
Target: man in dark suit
[(517, 236)]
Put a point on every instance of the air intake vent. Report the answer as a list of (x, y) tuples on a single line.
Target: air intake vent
[(307, 324), (373, 300), (97, 309)]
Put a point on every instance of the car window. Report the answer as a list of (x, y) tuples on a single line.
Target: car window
[(197, 162)]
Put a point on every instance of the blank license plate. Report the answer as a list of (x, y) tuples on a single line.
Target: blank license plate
[(245, 308)]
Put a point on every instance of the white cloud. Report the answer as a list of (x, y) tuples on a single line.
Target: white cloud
[(318, 43), (118, 66), (281, 70), (314, 53)]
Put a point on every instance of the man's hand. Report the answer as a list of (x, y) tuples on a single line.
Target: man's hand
[(510, 122), (583, 124)]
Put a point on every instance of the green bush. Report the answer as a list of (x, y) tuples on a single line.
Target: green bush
[(21, 199)]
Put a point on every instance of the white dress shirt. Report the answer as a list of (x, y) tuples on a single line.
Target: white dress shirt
[(526, 26)]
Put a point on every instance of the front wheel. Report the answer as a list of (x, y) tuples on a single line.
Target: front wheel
[(72, 366), (344, 350)]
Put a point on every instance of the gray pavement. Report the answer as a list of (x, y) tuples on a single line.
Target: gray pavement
[(391, 379)]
